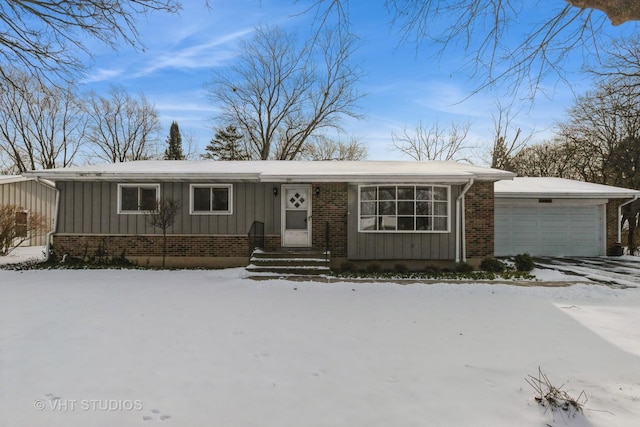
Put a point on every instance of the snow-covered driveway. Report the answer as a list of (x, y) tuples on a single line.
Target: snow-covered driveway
[(211, 348), (614, 271)]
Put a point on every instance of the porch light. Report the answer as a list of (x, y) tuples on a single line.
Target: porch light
[(317, 191), (275, 191)]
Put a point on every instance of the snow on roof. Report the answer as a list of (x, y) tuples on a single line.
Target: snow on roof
[(529, 187), (7, 179), (278, 171)]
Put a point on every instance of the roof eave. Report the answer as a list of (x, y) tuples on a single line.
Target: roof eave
[(262, 177), (503, 195)]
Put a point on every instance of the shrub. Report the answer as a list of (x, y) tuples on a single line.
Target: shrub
[(524, 262), (492, 265), (17, 226), (348, 267), (432, 269), (400, 268), (463, 267), (551, 397), (374, 268)]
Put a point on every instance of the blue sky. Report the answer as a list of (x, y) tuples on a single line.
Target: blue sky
[(403, 85)]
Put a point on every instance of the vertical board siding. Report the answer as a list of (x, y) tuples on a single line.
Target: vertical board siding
[(389, 246), (34, 197), (92, 208)]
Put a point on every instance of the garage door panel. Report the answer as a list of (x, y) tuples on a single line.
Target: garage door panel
[(549, 230)]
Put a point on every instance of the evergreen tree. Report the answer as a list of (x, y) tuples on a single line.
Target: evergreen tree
[(174, 142), (226, 145)]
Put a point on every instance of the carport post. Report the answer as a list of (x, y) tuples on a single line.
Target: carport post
[(620, 217)]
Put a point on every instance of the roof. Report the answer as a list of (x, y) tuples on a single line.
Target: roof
[(9, 179), (559, 188), (277, 171)]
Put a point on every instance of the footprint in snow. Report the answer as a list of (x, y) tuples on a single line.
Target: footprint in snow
[(156, 412)]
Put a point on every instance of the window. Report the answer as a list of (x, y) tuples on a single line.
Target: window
[(211, 199), (137, 198), (404, 208), (22, 223)]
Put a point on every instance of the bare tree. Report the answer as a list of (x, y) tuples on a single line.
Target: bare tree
[(16, 227), (280, 93), (507, 139), (122, 128), (163, 216), (597, 142), (484, 30), (323, 148), (41, 127), (550, 158), (598, 123), (190, 146), (434, 143), (44, 37)]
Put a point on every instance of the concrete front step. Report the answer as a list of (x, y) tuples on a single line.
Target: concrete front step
[(290, 262), (297, 271)]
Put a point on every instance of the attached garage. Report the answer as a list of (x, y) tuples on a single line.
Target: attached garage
[(553, 216), (550, 229)]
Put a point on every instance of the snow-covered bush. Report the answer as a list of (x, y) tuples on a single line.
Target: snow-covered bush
[(524, 262), (492, 265)]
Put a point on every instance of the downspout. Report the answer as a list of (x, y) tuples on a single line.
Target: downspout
[(460, 230), (620, 217), (47, 248)]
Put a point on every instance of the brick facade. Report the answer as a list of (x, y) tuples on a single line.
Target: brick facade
[(330, 206), (96, 245), (479, 220)]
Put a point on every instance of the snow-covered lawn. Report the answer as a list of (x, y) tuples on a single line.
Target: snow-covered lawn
[(212, 348)]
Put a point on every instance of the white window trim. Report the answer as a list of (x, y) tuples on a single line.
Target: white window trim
[(448, 230), (229, 187), (138, 211)]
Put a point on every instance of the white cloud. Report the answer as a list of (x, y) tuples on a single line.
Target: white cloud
[(102, 74), (204, 55)]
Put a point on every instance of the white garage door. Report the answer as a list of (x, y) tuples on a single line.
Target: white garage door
[(547, 230)]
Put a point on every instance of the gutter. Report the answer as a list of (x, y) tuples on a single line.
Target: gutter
[(460, 230), (47, 248), (620, 216)]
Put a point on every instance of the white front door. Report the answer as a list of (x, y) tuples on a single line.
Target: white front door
[(296, 215)]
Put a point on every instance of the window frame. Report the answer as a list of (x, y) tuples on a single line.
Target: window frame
[(379, 217), (228, 187), (22, 229), (138, 211)]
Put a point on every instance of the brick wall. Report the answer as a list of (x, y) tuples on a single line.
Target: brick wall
[(479, 217), (151, 245), (330, 206)]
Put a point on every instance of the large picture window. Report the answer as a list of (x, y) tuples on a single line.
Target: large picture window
[(211, 199), (137, 198), (404, 208)]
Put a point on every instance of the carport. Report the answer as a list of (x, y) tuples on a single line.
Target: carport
[(554, 216)]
